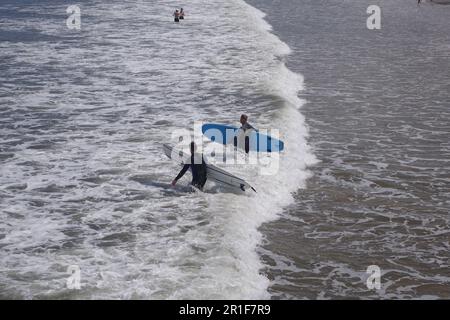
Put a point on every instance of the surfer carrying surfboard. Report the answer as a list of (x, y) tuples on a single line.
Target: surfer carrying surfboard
[(198, 168), (244, 127)]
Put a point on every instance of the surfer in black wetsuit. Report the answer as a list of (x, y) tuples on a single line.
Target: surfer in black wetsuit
[(198, 168), (245, 126)]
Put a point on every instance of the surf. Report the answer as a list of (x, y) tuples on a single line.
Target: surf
[(244, 215), (98, 195)]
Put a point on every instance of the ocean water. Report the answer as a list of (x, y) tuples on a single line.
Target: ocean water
[(378, 111), (364, 178), (84, 181)]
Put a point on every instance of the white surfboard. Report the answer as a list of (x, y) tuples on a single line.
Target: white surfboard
[(213, 173)]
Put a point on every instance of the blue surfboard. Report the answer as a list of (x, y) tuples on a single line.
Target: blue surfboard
[(225, 134)]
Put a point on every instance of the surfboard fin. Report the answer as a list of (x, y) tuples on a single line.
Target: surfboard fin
[(243, 188)]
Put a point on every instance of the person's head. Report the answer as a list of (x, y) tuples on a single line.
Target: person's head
[(176, 10), (181, 9), (193, 147), (243, 119)]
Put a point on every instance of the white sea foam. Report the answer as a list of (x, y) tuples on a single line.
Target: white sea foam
[(88, 184)]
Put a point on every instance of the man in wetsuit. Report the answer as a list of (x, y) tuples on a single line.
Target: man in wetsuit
[(198, 168), (245, 126)]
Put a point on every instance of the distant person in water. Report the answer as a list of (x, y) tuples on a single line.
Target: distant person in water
[(244, 126), (176, 15), (181, 13), (198, 168)]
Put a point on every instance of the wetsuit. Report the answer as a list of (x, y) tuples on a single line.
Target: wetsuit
[(246, 126), (198, 172)]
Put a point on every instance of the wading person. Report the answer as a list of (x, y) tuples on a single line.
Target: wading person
[(244, 127), (176, 16), (198, 168)]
